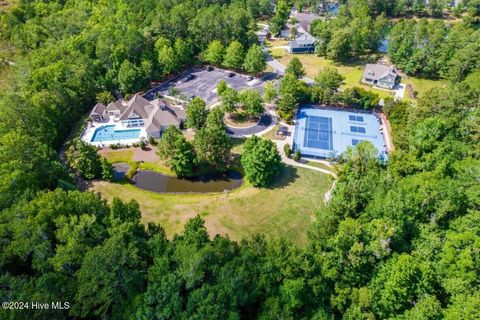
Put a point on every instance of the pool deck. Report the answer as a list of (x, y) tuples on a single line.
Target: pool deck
[(89, 132)]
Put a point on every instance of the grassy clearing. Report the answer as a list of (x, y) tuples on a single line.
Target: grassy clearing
[(421, 86), (278, 53), (126, 155), (271, 134), (284, 210), (276, 42), (353, 74)]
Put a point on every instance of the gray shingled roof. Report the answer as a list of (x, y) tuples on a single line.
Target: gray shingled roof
[(305, 20), (116, 105), (303, 39), (138, 105), (161, 117), (99, 109), (379, 71)]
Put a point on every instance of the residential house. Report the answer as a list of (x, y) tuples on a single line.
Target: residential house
[(302, 44), (99, 113), (154, 116), (380, 75), (302, 26)]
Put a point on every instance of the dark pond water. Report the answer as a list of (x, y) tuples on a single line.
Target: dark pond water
[(120, 170), (214, 182)]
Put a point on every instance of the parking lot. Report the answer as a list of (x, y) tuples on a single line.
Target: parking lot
[(203, 84)]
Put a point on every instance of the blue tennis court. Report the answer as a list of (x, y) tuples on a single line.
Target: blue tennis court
[(318, 133), (325, 133)]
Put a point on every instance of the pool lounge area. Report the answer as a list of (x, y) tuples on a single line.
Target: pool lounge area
[(108, 133), (323, 133), (105, 134)]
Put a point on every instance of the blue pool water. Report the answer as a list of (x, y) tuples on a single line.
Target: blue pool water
[(107, 133), (323, 133)]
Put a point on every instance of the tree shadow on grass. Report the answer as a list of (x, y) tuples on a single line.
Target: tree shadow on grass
[(286, 176), (358, 61)]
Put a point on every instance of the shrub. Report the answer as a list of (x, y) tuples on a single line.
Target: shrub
[(142, 144), (287, 150), (152, 141), (297, 155), (107, 170), (132, 171)]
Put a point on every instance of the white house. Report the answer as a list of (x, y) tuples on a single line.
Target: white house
[(153, 116)]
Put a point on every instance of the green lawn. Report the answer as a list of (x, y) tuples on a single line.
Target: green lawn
[(271, 134), (278, 53), (284, 210), (276, 43), (423, 85), (126, 155), (320, 165), (353, 73)]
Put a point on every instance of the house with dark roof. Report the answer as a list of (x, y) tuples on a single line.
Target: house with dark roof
[(381, 76), (153, 116)]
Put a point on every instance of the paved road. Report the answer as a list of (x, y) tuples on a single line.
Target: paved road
[(276, 66), (265, 121), (280, 68)]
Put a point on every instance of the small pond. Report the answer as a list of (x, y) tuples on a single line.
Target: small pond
[(214, 182)]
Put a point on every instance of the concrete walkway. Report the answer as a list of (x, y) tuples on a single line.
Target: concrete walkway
[(289, 139), (289, 161), (399, 91)]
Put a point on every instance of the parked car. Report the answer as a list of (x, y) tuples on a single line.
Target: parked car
[(231, 74), (249, 78), (210, 68), (189, 77)]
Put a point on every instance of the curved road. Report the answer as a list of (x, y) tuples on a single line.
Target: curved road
[(266, 121)]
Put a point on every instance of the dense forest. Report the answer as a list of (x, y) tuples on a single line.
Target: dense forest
[(400, 240)]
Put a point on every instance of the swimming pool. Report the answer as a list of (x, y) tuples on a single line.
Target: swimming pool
[(108, 133), (325, 133)]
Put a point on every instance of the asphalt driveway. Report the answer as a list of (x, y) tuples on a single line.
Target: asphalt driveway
[(266, 120)]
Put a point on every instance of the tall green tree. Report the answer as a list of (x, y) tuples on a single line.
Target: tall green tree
[(234, 55), (269, 92), (215, 117), (295, 68), (130, 77), (254, 60), (252, 102), (196, 113), (261, 161), (327, 83), (229, 98), (167, 142), (183, 158), (215, 53), (213, 146)]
